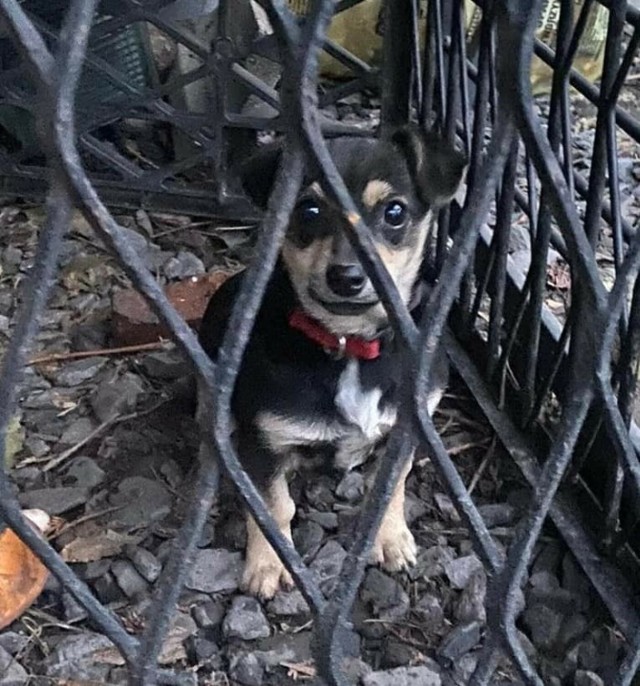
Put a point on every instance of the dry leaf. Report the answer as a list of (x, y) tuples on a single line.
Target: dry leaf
[(300, 670), (22, 575), (96, 546), (559, 276), (108, 656)]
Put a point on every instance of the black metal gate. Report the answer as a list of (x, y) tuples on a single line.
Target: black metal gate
[(582, 362)]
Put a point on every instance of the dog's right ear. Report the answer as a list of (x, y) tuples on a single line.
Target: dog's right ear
[(258, 174)]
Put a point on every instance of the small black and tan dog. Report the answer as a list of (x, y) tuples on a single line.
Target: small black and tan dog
[(318, 380)]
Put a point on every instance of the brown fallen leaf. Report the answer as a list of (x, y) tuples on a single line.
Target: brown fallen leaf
[(22, 575), (300, 670), (559, 276), (96, 546)]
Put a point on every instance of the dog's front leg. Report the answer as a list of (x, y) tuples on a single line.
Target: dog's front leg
[(394, 547), (264, 573)]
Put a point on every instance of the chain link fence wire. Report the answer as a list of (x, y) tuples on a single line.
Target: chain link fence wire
[(523, 357)]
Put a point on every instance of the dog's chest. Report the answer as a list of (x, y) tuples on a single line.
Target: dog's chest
[(360, 407), (358, 421)]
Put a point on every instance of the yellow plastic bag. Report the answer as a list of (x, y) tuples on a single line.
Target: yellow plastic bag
[(590, 52), (359, 30)]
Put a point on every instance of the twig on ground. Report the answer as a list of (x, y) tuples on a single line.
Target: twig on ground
[(82, 354), (488, 456)]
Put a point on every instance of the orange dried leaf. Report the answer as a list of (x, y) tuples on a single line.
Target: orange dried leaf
[(22, 577)]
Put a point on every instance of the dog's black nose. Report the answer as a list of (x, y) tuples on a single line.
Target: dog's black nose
[(346, 280)]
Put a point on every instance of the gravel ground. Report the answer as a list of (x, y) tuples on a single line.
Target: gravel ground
[(105, 445)]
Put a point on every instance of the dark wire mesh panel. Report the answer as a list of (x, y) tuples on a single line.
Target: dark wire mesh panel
[(573, 373), (192, 85)]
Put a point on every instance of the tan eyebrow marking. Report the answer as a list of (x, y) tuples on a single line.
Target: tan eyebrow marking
[(375, 191), (316, 189)]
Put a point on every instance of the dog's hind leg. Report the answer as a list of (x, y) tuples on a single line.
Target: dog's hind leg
[(264, 573)]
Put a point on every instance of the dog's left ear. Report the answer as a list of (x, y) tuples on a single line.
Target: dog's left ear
[(257, 174), (435, 165)]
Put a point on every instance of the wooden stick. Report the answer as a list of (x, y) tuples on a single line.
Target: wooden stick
[(82, 354)]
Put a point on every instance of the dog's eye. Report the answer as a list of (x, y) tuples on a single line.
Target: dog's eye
[(395, 213), (308, 210)]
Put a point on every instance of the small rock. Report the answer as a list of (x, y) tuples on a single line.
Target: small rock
[(116, 395), (396, 653), (4, 325), (27, 478), (543, 624), (470, 606), (351, 488), (89, 336), (414, 508), (354, 670), (327, 520), (12, 673), (85, 472), (73, 658), (386, 595), (246, 669), (73, 611), (215, 571), (172, 474), (146, 250), (208, 614), (107, 589), (585, 678), (431, 562), (205, 649), (145, 562), (464, 668), (144, 500), (548, 559), (183, 265), (288, 603), (460, 641), (78, 431), (574, 579), (573, 628), (79, 371), (54, 501), (307, 538), (36, 446), (13, 642), (319, 493), (165, 365), (498, 514), (327, 566), (544, 581), (460, 570), (279, 648), (245, 619), (447, 508), (429, 610), (128, 579), (424, 675), (96, 569)]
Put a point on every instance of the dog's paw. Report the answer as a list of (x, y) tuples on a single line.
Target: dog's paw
[(265, 577), (394, 548)]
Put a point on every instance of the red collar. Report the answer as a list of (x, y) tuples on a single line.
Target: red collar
[(349, 346)]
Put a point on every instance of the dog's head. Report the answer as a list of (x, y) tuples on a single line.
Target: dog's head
[(397, 185)]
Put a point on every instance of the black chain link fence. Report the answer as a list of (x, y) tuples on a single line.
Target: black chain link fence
[(576, 372)]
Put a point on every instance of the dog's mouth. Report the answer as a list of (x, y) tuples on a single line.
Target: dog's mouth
[(343, 307)]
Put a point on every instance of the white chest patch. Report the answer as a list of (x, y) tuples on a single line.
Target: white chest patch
[(362, 408)]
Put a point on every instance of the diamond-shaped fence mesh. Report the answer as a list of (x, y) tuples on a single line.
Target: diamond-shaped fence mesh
[(545, 338)]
